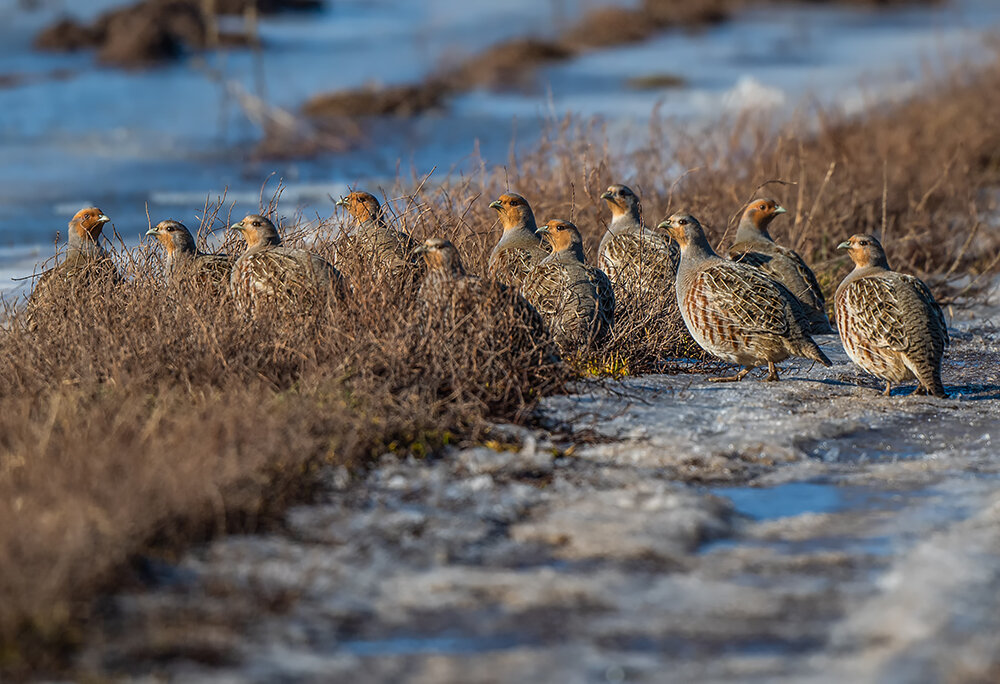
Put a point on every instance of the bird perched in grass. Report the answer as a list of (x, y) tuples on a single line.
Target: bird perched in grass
[(575, 300), (390, 250), (446, 283), (456, 297), (520, 247), (889, 323), (87, 263), (734, 311), (638, 261), (269, 271), (754, 246), (183, 259)]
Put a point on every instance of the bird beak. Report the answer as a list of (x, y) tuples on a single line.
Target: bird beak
[(543, 231), (606, 195), (152, 231), (342, 202), (421, 249), (667, 228), (844, 245), (103, 219), (237, 226), (780, 210), (495, 204)]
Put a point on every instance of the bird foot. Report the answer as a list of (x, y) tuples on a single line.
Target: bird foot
[(772, 373), (732, 378)]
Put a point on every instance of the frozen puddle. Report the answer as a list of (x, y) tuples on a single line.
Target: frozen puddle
[(705, 534)]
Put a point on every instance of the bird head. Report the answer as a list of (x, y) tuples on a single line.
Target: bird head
[(514, 211), (621, 200), (257, 229), (174, 236), (760, 212), (561, 235), (87, 224), (363, 206), (865, 250), (440, 255), (684, 228)]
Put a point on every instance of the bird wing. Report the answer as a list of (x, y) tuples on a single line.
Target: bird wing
[(785, 266), (545, 287), (641, 260), (744, 297), (605, 295), (935, 316), (510, 266), (876, 317)]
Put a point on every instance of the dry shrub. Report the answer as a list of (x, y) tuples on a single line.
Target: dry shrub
[(139, 417)]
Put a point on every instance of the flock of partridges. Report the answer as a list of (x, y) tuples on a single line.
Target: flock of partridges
[(758, 307)]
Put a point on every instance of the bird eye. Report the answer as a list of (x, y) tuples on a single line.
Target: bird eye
[(256, 223), (762, 207), (683, 222)]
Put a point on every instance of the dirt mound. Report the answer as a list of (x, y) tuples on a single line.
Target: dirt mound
[(153, 30)]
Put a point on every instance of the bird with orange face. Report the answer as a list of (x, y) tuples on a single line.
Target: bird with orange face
[(575, 299), (389, 250), (271, 272), (520, 247), (87, 263), (755, 246), (734, 311), (889, 322), (184, 260)]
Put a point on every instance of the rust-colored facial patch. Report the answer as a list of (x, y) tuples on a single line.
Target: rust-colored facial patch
[(363, 206), (88, 223), (560, 234), (760, 212), (513, 210)]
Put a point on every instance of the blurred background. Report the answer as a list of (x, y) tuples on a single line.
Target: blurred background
[(162, 104)]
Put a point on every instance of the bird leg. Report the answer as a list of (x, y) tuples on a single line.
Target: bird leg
[(732, 378), (772, 373), (919, 390), (888, 389)]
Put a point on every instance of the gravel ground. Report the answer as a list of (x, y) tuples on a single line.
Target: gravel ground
[(660, 529)]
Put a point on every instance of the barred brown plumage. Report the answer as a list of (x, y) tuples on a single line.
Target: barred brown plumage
[(754, 246), (184, 260), (268, 271), (638, 261), (575, 300), (390, 250), (889, 322), (735, 311), (520, 247)]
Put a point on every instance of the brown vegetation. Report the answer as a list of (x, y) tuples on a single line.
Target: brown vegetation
[(135, 419), (514, 63), (153, 31)]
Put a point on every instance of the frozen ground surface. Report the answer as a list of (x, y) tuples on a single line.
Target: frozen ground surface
[(660, 529)]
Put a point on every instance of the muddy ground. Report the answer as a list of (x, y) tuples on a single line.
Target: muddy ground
[(661, 529)]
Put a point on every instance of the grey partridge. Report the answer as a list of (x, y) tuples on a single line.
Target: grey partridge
[(455, 297), (755, 246), (575, 300), (734, 311), (638, 261), (389, 250), (86, 263), (520, 247), (889, 322), (184, 260), (269, 271)]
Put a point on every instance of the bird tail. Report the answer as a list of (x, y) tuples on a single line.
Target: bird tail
[(811, 350)]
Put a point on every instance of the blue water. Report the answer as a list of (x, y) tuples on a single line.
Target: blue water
[(170, 137)]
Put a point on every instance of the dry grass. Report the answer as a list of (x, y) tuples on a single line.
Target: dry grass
[(136, 420)]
